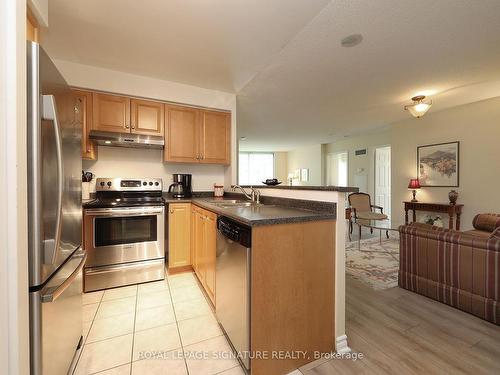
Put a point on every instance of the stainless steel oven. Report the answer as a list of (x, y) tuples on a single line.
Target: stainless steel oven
[(125, 245)]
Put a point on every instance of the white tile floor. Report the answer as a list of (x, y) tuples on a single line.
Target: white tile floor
[(164, 327)]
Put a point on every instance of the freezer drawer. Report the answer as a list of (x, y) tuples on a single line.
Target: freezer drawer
[(97, 278), (56, 319)]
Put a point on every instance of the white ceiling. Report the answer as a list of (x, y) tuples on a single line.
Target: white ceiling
[(216, 44), (315, 91), (296, 85)]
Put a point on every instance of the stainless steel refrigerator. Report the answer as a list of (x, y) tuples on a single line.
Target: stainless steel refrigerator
[(56, 258)]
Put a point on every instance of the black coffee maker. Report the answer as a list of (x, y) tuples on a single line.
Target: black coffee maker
[(181, 188)]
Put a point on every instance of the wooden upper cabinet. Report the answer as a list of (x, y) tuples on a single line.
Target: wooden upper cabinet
[(31, 26), (215, 140), (147, 117), (111, 113), (89, 149), (182, 134)]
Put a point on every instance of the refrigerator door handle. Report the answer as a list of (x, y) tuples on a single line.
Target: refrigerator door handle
[(54, 293), (50, 113)]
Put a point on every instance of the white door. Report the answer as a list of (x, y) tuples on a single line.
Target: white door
[(337, 169), (383, 178)]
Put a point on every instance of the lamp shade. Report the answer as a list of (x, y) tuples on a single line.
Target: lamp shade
[(414, 184), (418, 108)]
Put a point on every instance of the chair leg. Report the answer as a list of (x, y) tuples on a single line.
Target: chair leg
[(371, 230), (387, 234)]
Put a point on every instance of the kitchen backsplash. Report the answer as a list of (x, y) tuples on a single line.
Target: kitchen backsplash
[(130, 162)]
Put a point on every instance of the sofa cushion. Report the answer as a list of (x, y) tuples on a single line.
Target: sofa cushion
[(486, 222), (480, 233), (368, 215)]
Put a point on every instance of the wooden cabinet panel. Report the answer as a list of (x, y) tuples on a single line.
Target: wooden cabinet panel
[(89, 149), (209, 237), (179, 239), (111, 113), (194, 259), (182, 134), (147, 117), (199, 243), (215, 138), (204, 248), (31, 27)]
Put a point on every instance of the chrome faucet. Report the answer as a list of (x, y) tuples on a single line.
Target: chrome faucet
[(254, 195)]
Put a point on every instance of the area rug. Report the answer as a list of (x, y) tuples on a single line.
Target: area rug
[(376, 264)]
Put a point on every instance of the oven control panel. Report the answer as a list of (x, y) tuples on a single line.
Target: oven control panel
[(129, 184)]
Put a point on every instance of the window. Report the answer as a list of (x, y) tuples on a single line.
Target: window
[(337, 169), (255, 167)]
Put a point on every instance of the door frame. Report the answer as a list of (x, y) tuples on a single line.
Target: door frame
[(375, 172)]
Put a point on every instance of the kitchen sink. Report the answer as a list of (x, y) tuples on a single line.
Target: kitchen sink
[(229, 203)]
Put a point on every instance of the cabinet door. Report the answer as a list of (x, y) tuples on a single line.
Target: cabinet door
[(89, 149), (199, 254), (194, 238), (111, 113), (179, 235), (210, 233), (182, 125), (215, 137), (147, 117)]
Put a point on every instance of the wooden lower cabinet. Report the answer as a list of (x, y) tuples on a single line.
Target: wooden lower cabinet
[(203, 244), (179, 238), (209, 249)]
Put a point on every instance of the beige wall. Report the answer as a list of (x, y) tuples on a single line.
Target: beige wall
[(281, 166), (361, 168), (310, 157), (90, 77), (477, 127)]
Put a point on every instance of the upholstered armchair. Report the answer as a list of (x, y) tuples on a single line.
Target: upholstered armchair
[(362, 208)]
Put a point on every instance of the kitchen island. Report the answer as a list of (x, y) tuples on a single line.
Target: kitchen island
[(293, 274)]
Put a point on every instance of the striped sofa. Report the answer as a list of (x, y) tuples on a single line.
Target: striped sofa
[(461, 269)]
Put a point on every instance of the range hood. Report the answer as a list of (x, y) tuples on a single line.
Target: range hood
[(112, 139)]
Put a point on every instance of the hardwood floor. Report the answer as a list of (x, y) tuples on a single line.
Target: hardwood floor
[(400, 332)]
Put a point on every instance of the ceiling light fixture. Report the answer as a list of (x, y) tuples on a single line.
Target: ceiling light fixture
[(243, 138), (351, 40), (107, 142), (419, 107)]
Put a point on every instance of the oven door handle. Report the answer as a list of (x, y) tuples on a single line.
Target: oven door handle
[(130, 212)]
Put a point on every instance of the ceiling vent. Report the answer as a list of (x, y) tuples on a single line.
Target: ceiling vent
[(360, 152)]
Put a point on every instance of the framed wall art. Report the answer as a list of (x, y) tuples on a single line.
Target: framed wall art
[(438, 164)]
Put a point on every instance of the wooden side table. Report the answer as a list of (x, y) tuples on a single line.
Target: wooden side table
[(453, 210)]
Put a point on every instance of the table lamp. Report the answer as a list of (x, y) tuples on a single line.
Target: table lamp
[(414, 185)]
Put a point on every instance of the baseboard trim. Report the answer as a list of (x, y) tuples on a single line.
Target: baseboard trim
[(176, 270), (341, 345)]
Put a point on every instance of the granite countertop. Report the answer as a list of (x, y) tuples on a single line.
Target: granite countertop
[(273, 210), (265, 214), (342, 189)]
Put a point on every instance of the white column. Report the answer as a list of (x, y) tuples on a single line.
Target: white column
[(14, 321)]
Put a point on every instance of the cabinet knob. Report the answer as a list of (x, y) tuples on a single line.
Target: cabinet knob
[(127, 126), (133, 127), (171, 211)]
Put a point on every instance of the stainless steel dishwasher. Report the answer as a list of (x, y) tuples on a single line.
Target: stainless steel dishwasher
[(232, 297)]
